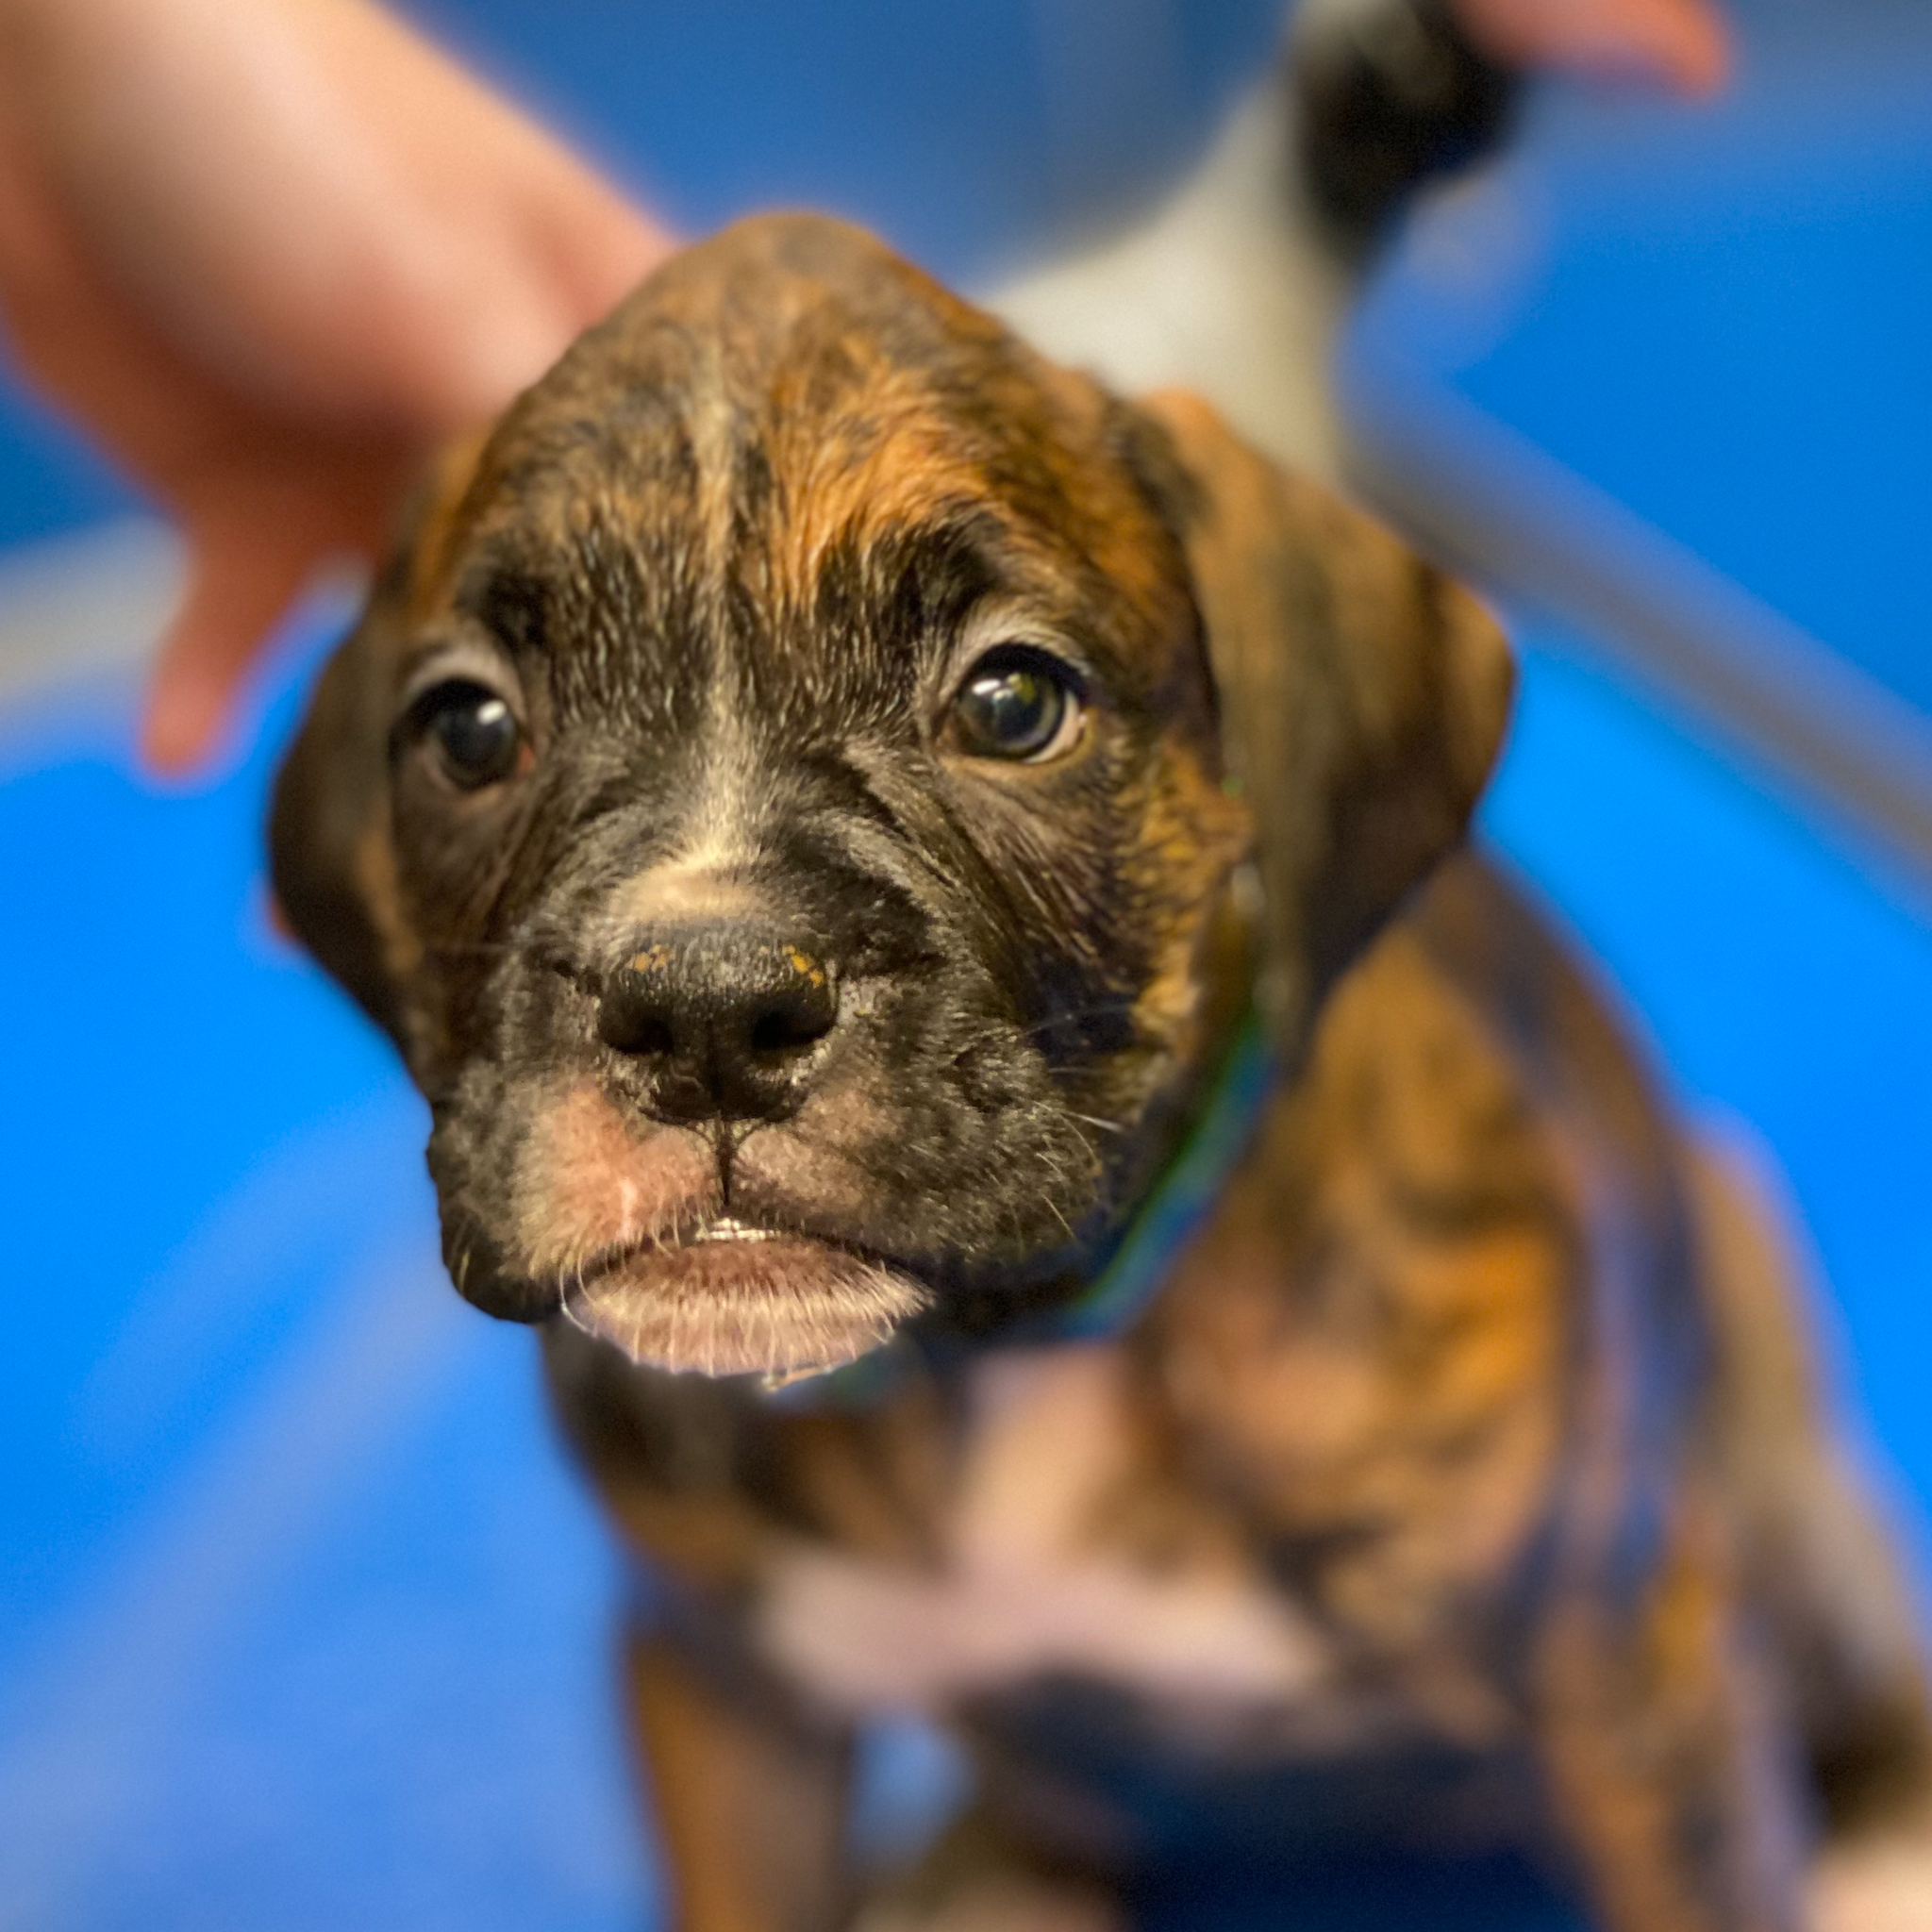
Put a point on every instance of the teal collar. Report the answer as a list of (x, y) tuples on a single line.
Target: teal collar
[(1189, 1186), (1183, 1197)]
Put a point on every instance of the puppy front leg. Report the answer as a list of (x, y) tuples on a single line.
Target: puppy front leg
[(1669, 1767), (748, 1799), (983, 1876)]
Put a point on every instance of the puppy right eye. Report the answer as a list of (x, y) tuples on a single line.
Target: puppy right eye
[(472, 733)]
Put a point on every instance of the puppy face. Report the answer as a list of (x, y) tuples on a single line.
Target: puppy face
[(777, 802)]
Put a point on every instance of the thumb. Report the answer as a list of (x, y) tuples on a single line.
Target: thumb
[(235, 591)]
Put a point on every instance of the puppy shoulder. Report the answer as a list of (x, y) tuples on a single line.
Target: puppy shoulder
[(1372, 1345)]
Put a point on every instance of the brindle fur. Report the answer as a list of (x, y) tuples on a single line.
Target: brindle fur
[(1481, 1380)]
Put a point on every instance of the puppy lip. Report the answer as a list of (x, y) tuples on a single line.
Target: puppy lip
[(743, 1300), (723, 1230)]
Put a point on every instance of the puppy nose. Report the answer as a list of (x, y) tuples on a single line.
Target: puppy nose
[(725, 1019)]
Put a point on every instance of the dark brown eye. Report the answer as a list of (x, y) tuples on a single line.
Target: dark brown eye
[(473, 734), (1017, 703)]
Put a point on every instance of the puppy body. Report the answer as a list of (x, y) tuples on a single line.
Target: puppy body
[(1408, 1517), (813, 800)]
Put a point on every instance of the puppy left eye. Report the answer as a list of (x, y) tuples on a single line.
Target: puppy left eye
[(1018, 703), (476, 738)]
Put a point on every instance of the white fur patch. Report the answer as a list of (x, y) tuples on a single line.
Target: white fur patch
[(1226, 289), (869, 1639), (1018, 1595)]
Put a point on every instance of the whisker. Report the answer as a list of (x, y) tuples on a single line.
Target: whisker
[(998, 1030), (1076, 1016)]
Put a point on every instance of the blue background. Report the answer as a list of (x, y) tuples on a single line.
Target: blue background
[(301, 1620)]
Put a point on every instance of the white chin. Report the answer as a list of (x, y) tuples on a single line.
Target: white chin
[(779, 1306)]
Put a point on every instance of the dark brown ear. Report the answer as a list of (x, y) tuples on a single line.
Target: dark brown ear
[(1363, 694), (329, 853)]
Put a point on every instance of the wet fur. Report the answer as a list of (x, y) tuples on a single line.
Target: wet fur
[(1471, 1438)]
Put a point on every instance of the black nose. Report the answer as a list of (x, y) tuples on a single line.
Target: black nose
[(724, 1018)]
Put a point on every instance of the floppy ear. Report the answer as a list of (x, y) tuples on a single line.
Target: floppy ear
[(1363, 694), (329, 855)]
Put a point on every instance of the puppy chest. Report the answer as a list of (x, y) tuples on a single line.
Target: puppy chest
[(1039, 1573)]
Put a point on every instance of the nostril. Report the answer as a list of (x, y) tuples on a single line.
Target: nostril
[(633, 1020), (650, 1034), (788, 1026), (794, 1009)]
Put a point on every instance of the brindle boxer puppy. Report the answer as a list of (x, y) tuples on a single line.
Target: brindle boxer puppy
[(820, 799)]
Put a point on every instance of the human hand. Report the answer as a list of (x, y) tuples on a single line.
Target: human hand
[(270, 254), (1685, 42)]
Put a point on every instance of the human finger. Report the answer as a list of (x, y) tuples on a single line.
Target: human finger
[(1685, 43), (236, 593)]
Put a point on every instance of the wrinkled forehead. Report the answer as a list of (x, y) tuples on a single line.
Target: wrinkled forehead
[(757, 438)]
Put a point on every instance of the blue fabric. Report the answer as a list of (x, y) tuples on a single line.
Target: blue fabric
[(1751, 297), (302, 1619)]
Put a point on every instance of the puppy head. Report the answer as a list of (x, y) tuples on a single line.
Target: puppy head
[(782, 798)]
